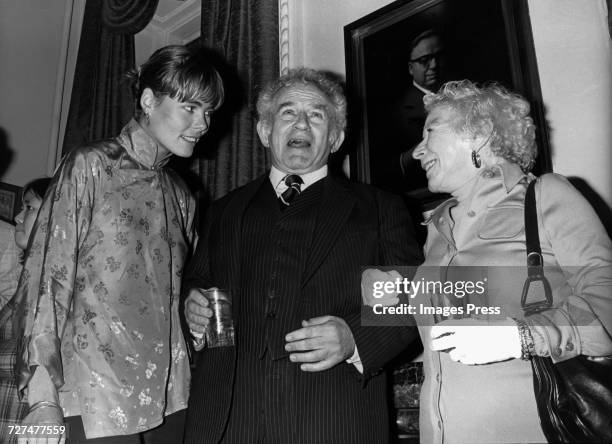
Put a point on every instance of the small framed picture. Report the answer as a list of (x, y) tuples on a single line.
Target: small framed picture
[(10, 201)]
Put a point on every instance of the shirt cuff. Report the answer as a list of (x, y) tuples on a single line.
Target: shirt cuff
[(197, 339), (356, 361)]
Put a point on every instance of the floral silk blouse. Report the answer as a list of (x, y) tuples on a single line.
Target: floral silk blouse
[(103, 274)]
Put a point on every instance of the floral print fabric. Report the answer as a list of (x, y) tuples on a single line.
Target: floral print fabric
[(104, 274)]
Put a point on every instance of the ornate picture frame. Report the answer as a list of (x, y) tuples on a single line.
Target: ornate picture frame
[(487, 40)]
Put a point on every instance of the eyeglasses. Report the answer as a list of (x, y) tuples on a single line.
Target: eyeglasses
[(427, 58)]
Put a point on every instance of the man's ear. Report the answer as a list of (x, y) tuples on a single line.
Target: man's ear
[(148, 100), (336, 141), (410, 68), (264, 131)]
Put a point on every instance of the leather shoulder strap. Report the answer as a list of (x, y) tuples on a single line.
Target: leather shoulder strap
[(532, 236), (535, 262)]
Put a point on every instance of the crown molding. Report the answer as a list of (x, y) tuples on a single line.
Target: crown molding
[(178, 12)]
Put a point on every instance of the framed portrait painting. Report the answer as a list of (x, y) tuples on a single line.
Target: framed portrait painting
[(480, 40), (10, 201)]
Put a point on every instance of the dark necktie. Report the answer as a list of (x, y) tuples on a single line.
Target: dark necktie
[(293, 182)]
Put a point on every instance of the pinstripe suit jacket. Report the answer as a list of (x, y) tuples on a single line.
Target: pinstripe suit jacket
[(358, 225)]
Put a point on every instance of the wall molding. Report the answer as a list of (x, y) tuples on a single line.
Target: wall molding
[(290, 34), (71, 34), (283, 36)]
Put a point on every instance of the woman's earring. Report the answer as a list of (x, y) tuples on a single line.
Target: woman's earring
[(476, 159), (147, 117)]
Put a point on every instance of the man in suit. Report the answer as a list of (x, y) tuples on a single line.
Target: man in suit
[(290, 246), (406, 116)]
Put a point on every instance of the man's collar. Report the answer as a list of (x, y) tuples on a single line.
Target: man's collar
[(277, 176), (421, 88)]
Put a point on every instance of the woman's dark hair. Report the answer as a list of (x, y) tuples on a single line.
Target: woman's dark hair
[(182, 73), (37, 186)]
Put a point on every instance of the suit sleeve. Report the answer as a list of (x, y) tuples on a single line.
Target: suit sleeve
[(198, 271), (397, 246)]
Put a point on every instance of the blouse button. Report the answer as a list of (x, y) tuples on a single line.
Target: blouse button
[(441, 221), (471, 213), (569, 346), (558, 352)]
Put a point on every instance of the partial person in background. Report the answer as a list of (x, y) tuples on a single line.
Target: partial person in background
[(426, 65), (104, 346), (406, 114), (9, 262), (12, 409), (479, 146)]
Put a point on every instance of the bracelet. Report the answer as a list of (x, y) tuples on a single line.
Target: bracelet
[(40, 404), (527, 344)]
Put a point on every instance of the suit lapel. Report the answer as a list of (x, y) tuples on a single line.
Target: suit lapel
[(335, 209)]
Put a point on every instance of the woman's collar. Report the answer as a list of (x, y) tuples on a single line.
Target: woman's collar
[(510, 173), (142, 147)]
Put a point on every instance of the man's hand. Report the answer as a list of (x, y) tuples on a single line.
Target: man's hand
[(476, 341), (197, 314), (321, 343)]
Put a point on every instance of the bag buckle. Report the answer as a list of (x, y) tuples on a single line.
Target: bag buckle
[(535, 273)]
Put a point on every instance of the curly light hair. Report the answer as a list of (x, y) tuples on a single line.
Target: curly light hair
[(324, 82), (494, 112)]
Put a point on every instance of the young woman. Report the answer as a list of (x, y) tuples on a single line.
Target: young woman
[(12, 410), (104, 347)]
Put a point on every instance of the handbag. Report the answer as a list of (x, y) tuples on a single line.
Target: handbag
[(574, 397)]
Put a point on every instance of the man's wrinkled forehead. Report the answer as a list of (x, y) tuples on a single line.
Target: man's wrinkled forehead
[(426, 46), (301, 94)]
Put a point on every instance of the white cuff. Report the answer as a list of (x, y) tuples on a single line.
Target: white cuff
[(198, 340), (356, 361)]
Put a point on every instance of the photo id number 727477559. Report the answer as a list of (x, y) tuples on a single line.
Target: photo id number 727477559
[(37, 431)]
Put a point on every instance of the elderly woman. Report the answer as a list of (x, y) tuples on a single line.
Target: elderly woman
[(479, 146), (104, 346)]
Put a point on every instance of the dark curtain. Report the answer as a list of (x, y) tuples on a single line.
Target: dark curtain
[(245, 34), (102, 101)]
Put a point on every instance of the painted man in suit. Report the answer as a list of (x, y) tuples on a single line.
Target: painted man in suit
[(426, 65), (290, 247)]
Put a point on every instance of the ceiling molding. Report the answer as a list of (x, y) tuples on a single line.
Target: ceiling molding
[(183, 20), (186, 6)]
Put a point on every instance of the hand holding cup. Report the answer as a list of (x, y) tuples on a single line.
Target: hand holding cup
[(208, 313)]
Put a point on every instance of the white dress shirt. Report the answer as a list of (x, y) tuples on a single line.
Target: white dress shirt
[(277, 178)]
